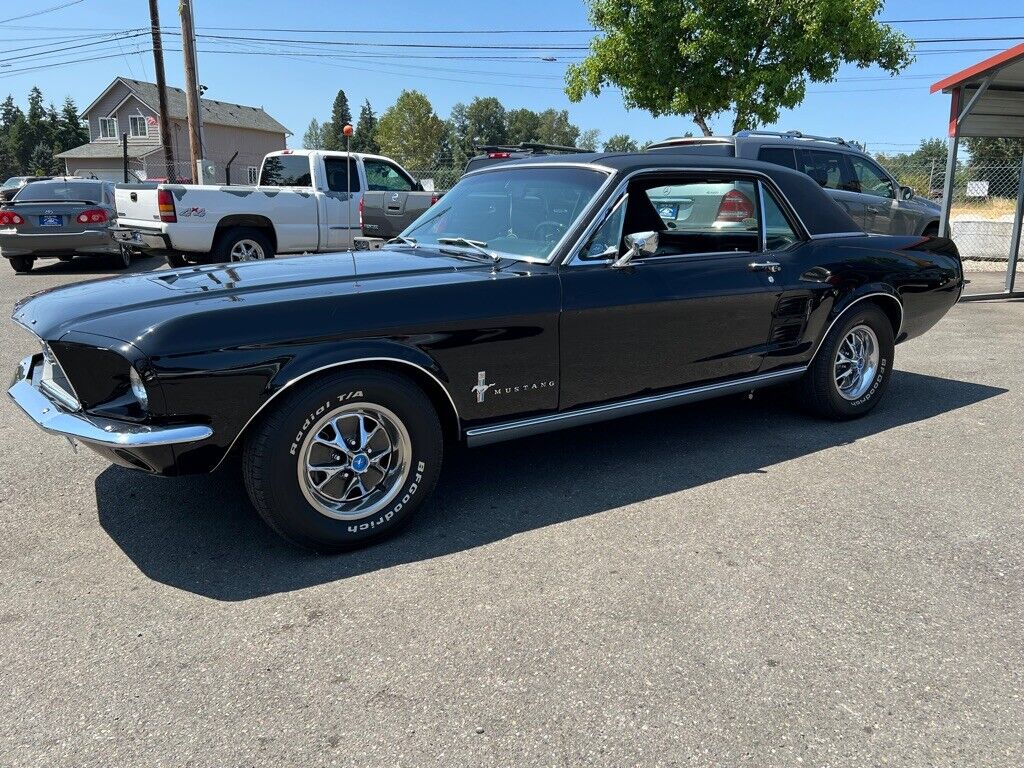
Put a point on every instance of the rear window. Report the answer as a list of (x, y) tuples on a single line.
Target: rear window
[(55, 191), (286, 171), (777, 156)]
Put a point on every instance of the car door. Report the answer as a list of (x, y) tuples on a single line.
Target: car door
[(341, 212), (697, 310), (833, 172), (878, 195)]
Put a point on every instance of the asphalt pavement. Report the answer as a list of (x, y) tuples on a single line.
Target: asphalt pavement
[(723, 584)]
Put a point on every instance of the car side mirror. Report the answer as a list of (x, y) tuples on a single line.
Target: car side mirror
[(637, 244), (906, 193)]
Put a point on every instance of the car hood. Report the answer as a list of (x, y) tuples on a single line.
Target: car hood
[(130, 308)]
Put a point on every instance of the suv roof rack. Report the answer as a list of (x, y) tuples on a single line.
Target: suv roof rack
[(794, 135), (527, 147)]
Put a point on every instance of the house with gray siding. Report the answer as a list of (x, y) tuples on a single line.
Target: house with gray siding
[(130, 107)]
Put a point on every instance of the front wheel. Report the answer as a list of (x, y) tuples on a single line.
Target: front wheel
[(344, 461), (851, 371)]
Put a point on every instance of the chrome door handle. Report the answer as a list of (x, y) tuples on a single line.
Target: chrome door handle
[(765, 266)]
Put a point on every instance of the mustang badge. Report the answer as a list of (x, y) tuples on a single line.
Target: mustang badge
[(481, 386)]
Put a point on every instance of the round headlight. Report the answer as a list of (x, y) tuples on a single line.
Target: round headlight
[(138, 388)]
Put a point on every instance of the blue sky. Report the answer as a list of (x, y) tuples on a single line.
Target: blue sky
[(889, 115)]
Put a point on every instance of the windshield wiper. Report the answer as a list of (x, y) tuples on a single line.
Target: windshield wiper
[(402, 239), (478, 245)]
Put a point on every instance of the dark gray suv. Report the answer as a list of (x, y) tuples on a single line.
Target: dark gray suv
[(865, 189)]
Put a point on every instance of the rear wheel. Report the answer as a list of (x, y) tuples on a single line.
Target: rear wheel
[(345, 461), (123, 258), (176, 260), (851, 371), (242, 244), (22, 264)]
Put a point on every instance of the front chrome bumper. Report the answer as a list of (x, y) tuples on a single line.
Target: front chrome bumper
[(51, 416)]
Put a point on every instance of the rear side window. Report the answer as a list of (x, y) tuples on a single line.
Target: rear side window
[(778, 156), (830, 169), (338, 174), (286, 171), (385, 177), (779, 233)]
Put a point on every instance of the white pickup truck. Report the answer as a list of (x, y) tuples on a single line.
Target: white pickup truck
[(301, 205)]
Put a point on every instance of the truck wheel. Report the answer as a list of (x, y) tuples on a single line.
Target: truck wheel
[(22, 264), (852, 369), (242, 244), (344, 461), (175, 260)]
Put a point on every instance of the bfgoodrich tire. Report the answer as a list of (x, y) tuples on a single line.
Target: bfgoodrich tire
[(344, 461), (851, 371)]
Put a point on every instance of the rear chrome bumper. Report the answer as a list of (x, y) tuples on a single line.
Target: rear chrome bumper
[(51, 416), (143, 239)]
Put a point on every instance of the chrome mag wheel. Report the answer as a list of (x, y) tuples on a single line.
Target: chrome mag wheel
[(247, 250), (856, 364), (354, 461)]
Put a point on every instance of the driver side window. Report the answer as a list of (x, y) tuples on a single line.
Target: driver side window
[(606, 241)]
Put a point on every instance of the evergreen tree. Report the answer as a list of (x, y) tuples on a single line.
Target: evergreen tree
[(42, 162), (313, 138), (341, 116), (364, 139), (9, 112), (71, 132)]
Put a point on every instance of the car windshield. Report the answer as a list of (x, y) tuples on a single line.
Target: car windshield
[(514, 212), (61, 189)]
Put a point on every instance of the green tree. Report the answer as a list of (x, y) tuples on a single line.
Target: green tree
[(341, 116), (620, 142), (553, 127), (71, 131), (523, 126), (42, 162), (588, 139), (989, 151), (19, 141), (486, 121), (9, 112), (313, 138), (704, 57), (411, 132), (363, 139)]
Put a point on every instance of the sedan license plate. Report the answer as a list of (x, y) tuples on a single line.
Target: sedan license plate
[(51, 221), (668, 210)]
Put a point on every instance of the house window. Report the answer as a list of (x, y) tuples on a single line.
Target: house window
[(108, 128), (138, 126), (254, 174)]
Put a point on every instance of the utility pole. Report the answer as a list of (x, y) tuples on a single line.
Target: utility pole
[(188, 46), (161, 85)]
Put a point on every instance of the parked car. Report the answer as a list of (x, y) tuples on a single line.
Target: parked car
[(538, 295), (15, 183), (301, 205), (868, 192), (491, 154), (60, 219)]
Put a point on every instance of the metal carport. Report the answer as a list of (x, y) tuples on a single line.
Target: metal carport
[(987, 99)]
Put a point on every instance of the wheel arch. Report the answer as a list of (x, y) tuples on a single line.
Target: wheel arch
[(886, 300), (419, 373), (253, 220)]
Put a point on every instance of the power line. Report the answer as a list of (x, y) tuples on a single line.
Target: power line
[(951, 18), (358, 43), (41, 12)]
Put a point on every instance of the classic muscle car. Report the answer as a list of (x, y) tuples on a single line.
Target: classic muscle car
[(538, 294)]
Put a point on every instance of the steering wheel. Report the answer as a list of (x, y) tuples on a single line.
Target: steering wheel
[(548, 230)]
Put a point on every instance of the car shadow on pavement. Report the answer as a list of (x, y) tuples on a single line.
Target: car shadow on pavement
[(95, 265), (200, 533)]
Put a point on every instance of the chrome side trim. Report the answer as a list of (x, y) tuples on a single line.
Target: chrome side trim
[(839, 317), (356, 361), (512, 429), (51, 417), (830, 235)]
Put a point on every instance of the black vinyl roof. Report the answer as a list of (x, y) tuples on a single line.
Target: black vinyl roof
[(819, 212)]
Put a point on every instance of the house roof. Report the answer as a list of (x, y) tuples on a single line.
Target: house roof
[(107, 150), (213, 112)]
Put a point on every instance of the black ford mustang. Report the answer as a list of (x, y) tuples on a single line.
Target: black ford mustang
[(537, 295)]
